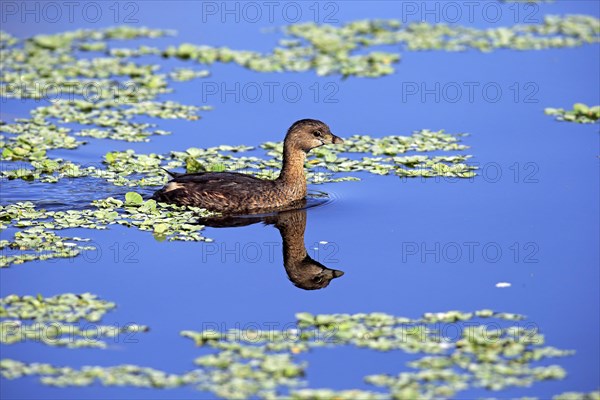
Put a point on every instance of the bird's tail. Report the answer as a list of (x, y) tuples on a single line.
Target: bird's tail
[(172, 174)]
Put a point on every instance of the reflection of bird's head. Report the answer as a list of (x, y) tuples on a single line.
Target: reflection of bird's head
[(304, 272), (310, 274)]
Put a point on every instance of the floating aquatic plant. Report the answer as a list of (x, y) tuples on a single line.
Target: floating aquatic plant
[(578, 396), (382, 156), (37, 239), (66, 307), (46, 67), (254, 363), (186, 74), (53, 318), (341, 49), (37, 243), (581, 113), (63, 335), (33, 139), (46, 64)]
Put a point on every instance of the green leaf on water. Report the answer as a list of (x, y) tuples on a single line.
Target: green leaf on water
[(217, 168), (161, 228), (580, 108), (133, 199)]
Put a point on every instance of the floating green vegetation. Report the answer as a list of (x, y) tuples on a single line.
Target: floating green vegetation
[(48, 64), (381, 156), (115, 92), (113, 120), (48, 171), (340, 49), (68, 39), (48, 67), (186, 74), (63, 335), (63, 307), (578, 396), (51, 313), (33, 139), (580, 113), (37, 241), (487, 353), (7, 40), (328, 394), (124, 375), (38, 244), (106, 114)]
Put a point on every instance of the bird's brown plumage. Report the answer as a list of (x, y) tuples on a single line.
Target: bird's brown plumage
[(235, 193)]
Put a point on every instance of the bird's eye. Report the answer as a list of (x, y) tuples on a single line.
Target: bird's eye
[(317, 133)]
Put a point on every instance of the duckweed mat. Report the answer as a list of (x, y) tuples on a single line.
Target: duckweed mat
[(492, 350), (66, 320), (581, 113)]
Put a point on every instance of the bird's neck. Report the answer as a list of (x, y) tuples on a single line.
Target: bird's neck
[(292, 226), (292, 172)]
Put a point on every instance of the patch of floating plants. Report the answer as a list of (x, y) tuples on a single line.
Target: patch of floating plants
[(494, 351), (581, 113), (381, 156), (335, 49), (37, 240), (54, 59), (66, 320)]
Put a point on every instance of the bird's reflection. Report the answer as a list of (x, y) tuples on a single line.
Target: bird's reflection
[(304, 272)]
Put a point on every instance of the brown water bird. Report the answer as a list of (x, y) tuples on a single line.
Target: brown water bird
[(235, 193)]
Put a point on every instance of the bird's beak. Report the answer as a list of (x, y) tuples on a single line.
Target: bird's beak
[(336, 139), (337, 273)]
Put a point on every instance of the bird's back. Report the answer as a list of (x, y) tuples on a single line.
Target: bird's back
[(227, 192)]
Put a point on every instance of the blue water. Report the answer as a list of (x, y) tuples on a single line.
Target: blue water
[(536, 201)]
